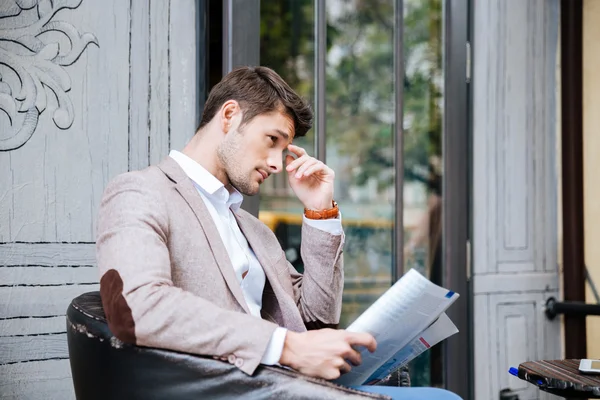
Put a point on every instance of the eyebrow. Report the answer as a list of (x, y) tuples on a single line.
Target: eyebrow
[(282, 133)]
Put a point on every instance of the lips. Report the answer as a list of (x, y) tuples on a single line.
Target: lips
[(263, 174)]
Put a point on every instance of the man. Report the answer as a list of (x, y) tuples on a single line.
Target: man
[(183, 267)]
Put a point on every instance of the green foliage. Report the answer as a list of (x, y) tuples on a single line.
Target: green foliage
[(286, 41), (360, 79)]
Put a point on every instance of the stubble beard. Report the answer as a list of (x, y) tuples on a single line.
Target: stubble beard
[(229, 153)]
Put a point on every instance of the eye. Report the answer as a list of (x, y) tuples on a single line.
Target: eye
[(273, 138)]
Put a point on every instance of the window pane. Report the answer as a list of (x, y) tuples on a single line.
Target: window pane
[(360, 143), (287, 46), (423, 102), (360, 139)]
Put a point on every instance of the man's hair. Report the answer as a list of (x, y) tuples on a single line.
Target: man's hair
[(258, 90)]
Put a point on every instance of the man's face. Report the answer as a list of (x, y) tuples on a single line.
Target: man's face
[(249, 154)]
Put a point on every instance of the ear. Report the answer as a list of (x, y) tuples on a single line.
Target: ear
[(229, 114)]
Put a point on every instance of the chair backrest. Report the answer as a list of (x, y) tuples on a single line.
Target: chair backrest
[(103, 367)]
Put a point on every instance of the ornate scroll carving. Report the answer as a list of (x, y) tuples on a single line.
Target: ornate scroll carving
[(38, 64)]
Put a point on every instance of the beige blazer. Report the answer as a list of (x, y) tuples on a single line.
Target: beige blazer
[(167, 281)]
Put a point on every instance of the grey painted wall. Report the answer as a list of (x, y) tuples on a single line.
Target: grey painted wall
[(108, 86), (515, 191)]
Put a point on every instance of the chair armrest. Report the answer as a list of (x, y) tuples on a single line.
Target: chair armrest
[(103, 367)]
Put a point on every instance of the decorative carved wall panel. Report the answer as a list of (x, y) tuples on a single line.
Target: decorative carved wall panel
[(34, 62)]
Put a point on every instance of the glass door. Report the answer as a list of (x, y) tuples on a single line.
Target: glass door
[(377, 72)]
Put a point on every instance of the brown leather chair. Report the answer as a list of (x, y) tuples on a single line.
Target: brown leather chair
[(103, 367)]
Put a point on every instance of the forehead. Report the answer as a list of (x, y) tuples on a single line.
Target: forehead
[(275, 121)]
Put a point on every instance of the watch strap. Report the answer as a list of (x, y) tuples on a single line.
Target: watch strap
[(323, 214)]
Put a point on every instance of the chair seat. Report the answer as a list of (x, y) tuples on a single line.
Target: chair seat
[(103, 367)]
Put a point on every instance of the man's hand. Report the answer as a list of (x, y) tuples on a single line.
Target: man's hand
[(310, 179), (323, 353)]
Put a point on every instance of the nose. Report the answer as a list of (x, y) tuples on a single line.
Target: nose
[(275, 163)]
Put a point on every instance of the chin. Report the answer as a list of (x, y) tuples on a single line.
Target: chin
[(250, 188), (253, 191)]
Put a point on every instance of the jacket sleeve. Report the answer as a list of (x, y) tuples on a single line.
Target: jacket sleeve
[(318, 292), (142, 305)]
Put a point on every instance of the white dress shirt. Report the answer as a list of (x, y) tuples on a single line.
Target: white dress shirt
[(221, 204)]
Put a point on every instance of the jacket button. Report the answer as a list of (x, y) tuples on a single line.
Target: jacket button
[(239, 363), (231, 359)]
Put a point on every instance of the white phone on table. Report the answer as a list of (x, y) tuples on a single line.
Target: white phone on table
[(588, 366)]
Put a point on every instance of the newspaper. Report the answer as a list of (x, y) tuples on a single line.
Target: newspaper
[(406, 320)]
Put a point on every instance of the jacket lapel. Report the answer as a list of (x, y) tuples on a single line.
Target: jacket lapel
[(258, 249), (188, 191), (289, 310)]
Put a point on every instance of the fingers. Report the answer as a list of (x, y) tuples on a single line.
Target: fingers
[(341, 365), (332, 352), (295, 164), (318, 167), (310, 163), (362, 339), (353, 356), (299, 151), (345, 368), (306, 166), (302, 158)]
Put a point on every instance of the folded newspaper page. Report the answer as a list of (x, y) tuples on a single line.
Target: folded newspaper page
[(405, 321)]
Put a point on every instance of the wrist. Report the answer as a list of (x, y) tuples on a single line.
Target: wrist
[(287, 354), (318, 201), (319, 206)]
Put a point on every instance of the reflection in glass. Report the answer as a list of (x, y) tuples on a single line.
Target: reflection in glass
[(422, 123), (360, 140), (287, 46)]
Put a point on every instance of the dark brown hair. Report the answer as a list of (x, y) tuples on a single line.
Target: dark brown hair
[(258, 90)]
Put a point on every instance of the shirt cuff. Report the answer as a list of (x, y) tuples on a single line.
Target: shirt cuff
[(332, 226), (275, 347)]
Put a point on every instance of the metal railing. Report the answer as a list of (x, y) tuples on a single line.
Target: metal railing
[(574, 308)]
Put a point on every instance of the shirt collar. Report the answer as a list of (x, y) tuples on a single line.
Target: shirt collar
[(207, 182)]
